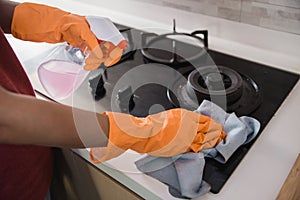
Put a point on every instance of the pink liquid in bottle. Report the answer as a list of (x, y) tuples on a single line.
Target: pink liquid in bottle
[(61, 78)]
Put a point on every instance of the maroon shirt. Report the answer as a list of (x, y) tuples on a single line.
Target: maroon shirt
[(25, 170)]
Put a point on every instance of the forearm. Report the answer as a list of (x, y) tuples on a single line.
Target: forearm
[(27, 120), (7, 11)]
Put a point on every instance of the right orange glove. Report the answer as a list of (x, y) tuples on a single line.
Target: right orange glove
[(168, 133), (41, 23)]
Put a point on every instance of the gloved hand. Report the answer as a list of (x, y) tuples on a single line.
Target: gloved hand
[(165, 134), (105, 52), (41, 23)]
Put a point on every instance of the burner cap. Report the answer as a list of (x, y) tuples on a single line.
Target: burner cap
[(211, 82), (219, 84)]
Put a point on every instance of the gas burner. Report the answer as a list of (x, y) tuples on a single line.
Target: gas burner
[(215, 83), (174, 48), (227, 88)]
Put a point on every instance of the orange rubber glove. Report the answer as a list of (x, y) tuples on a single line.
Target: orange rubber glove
[(41, 23), (168, 133)]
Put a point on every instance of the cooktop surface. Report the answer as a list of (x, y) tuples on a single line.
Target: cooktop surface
[(163, 71)]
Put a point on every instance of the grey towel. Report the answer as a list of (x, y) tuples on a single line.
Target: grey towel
[(239, 130), (183, 173)]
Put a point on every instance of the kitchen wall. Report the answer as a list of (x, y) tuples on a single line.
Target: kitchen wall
[(281, 15)]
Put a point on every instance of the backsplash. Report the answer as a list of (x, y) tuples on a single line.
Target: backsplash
[(281, 15)]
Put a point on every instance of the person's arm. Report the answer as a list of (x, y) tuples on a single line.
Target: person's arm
[(7, 11), (27, 120)]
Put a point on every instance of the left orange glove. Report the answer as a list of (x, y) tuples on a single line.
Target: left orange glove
[(41, 23)]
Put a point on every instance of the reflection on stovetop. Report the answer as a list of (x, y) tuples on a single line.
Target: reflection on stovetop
[(140, 85)]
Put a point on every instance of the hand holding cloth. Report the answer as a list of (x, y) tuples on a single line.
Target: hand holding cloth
[(164, 134)]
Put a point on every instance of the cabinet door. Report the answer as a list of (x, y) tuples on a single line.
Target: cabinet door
[(76, 179)]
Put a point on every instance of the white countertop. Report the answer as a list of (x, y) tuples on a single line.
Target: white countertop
[(263, 170)]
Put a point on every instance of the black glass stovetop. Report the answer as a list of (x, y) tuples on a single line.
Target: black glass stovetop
[(141, 86)]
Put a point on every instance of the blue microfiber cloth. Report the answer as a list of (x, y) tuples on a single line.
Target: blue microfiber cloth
[(183, 173)]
